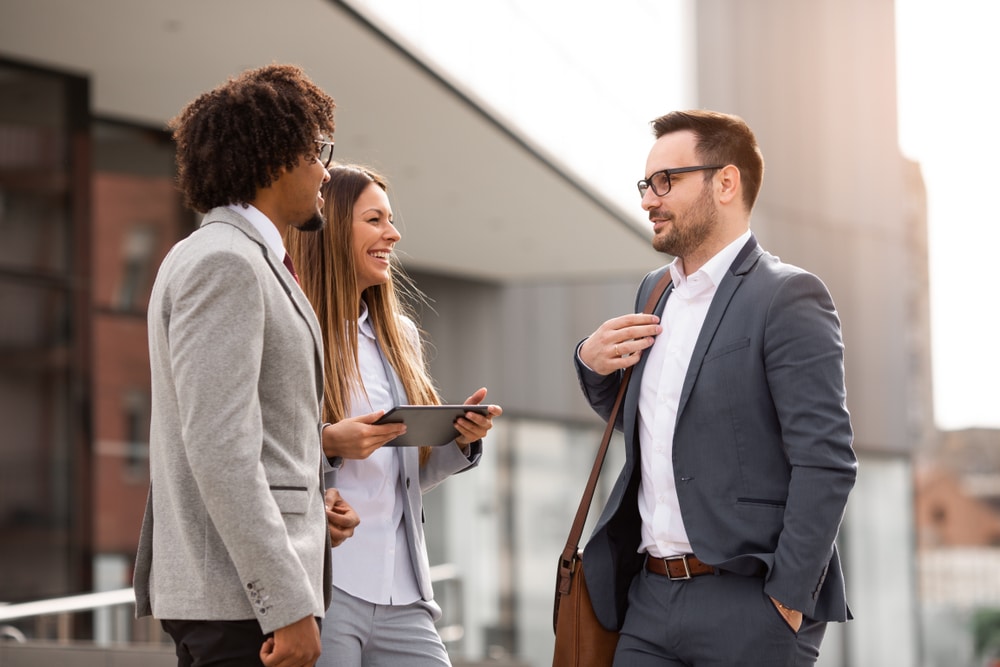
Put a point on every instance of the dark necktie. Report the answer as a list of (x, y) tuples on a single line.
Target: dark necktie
[(291, 267)]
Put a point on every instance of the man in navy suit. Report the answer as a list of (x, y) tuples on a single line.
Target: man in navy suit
[(717, 544)]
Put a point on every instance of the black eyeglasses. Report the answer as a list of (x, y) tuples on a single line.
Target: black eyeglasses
[(325, 152), (660, 180)]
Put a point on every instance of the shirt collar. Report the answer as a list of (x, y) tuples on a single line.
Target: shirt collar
[(715, 268), (365, 324), (263, 225)]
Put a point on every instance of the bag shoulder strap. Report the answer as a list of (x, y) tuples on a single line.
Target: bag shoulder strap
[(569, 555)]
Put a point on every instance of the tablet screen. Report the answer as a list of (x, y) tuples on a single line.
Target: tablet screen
[(427, 425)]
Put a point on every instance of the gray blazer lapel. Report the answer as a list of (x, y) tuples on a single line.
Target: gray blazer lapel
[(731, 282), (631, 408), (644, 293), (409, 481), (398, 398)]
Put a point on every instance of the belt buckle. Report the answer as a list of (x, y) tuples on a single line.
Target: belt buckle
[(687, 570)]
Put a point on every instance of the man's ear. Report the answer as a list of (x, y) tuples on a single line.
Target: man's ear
[(728, 183)]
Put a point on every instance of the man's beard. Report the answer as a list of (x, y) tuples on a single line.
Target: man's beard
[(700, 219), (313, 224)]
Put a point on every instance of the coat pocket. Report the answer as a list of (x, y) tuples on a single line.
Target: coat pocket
[(291, 499), (726, 348)]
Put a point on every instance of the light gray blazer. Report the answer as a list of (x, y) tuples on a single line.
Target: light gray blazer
[(762, 451), (235, 527)]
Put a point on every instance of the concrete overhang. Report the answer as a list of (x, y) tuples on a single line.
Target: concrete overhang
[(475, 198)]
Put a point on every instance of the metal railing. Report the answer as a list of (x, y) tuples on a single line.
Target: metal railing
[(114, 619), (53, 620)]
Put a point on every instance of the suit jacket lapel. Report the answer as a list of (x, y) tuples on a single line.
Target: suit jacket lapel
[(631, 407), (731, 282), (398, 398), (660, 306)]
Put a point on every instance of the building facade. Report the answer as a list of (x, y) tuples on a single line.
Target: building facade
[(87, 211)]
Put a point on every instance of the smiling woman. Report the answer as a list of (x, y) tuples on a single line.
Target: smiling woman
[(963, 229), (374, 238), (374, 362)]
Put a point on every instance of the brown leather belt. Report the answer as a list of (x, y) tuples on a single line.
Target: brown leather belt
[(678, 567)]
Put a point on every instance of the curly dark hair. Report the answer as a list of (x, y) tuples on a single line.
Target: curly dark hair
[(235, 139)]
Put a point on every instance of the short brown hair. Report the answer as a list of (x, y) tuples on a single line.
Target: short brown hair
[(720, 139), (234, 139)]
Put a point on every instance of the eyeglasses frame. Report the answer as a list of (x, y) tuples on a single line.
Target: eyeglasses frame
[(646, 183), (329, 158)]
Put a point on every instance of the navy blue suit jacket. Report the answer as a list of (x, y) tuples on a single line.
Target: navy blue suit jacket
[(762, 451)]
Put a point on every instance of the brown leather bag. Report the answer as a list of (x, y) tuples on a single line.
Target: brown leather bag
[(581, 641)]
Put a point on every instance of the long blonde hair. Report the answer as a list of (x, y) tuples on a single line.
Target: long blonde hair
[(325, 263)]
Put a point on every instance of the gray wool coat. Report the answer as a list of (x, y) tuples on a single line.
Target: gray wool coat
[(235, 527)]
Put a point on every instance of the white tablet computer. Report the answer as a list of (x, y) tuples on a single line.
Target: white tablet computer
[(427, 425)]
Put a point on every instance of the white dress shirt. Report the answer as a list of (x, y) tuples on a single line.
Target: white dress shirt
[(663, 532), (374, 564), (262, 224)]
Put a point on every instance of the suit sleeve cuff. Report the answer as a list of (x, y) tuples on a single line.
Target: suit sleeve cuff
[(335, 462)]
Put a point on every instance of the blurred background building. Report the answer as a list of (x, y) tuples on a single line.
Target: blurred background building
[(521, 254)]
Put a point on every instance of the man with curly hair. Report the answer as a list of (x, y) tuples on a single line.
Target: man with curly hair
[(234, 550)]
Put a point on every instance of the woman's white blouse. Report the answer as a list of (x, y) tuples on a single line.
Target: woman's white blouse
[(374, 564)]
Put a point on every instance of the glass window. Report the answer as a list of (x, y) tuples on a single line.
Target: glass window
[(43, 368)]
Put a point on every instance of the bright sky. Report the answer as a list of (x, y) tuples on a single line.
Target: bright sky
[(948, 57), (537, 67), (948, 108)]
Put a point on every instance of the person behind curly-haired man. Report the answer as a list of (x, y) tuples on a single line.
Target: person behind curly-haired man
[(233, 556)]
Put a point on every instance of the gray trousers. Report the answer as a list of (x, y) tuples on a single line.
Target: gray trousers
[(710, 621), (357, 633)]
